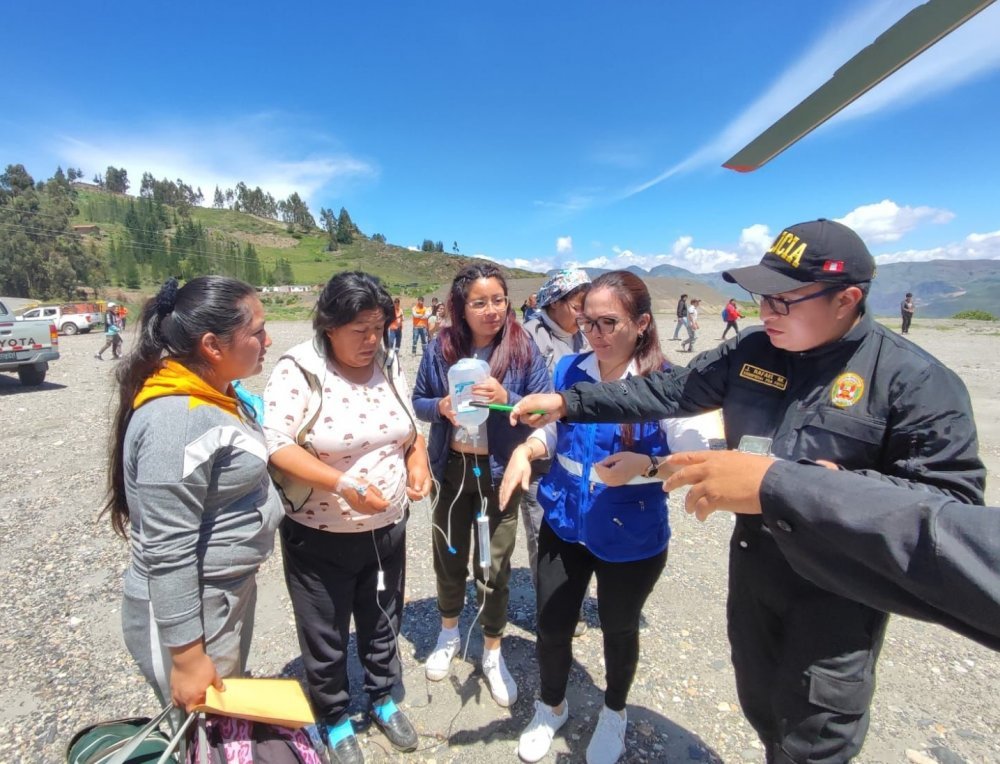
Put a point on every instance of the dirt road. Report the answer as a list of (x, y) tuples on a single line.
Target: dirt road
[(63, 664)]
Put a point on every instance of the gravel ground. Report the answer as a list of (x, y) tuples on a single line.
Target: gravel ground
[(63, 663)]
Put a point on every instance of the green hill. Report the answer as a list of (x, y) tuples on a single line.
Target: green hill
[(402, 270)]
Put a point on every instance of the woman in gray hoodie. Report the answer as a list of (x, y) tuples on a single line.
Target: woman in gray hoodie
[(188, 486), (556, 334)]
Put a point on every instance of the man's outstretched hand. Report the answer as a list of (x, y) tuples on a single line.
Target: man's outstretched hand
[(526, 410), (719, 480)]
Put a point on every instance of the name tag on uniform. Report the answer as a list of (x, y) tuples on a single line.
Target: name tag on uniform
[(763, 377)]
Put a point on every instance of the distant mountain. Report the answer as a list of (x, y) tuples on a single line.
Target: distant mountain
[(941, 288), (670, 272)]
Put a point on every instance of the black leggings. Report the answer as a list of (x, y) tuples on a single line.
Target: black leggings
[(330, 577), (564, 572), (730, 325)]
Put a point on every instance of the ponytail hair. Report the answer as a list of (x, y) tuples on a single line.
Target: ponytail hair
[(171, 326)]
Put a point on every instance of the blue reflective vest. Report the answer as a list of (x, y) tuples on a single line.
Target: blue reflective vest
[(617, 524)]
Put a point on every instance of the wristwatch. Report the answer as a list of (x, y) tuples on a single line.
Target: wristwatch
[(653, 468)]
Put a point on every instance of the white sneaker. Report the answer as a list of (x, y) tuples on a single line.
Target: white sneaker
[(439, 661), (501, 683), (537, 736), (608, 742)]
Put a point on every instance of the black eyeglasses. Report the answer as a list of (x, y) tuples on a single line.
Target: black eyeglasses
[(782, 307), (604, 324)]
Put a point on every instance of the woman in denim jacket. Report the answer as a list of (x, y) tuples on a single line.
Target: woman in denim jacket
[(482, 326)]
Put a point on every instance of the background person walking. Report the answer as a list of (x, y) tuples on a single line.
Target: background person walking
[(907, 309), (692, 326), (420, 313), (731, 314), (395, 337), (682, 313), (112, 339)]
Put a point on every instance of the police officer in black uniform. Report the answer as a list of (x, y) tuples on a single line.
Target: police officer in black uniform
[(916, 553), (819, 380)]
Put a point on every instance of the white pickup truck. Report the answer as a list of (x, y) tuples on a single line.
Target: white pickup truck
[(27, 346), (66, 321)]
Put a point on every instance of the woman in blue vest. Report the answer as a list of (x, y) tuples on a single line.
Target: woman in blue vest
[(605, 514)]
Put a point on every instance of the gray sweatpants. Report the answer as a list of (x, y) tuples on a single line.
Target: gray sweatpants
[(227, 613)]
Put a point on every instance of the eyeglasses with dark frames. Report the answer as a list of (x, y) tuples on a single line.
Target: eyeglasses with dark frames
[(782, 307), (604, 324)]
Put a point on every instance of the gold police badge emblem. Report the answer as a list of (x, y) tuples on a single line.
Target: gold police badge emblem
[(847, 390)]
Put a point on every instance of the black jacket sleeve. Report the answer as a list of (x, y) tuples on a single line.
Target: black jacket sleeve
[(931, 436), (698, 388), (923, 555)]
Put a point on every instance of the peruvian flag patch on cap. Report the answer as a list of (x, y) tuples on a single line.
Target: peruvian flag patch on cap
[(833, 266)]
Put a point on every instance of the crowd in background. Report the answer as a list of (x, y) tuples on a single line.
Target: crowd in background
[(203, 474)]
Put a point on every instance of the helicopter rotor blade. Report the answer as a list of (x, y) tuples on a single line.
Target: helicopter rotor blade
[(903, 41)]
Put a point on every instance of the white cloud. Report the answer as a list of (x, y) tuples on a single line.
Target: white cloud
[(886, 221), (594, 262), (259, 150), (755, 240), (975, 246), (413, 249), (883, 219), (701, 259), (573, 202), (536, 264), (564, 245)]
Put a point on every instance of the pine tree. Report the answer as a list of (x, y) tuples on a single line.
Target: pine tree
[(345, 227), (282, 272), (252, 270), (330, 224)]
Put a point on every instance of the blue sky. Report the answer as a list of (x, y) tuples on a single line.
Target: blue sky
[(538, 134)]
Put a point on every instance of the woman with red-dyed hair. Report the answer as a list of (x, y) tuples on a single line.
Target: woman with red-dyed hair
[(482, 326)]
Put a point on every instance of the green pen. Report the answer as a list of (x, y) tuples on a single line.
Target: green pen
[(500, 407)]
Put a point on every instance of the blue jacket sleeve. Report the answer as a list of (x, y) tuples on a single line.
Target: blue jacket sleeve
[(538, 380), (425, 393)]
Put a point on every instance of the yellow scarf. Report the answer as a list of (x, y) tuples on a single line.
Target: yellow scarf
[(175, 379)]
